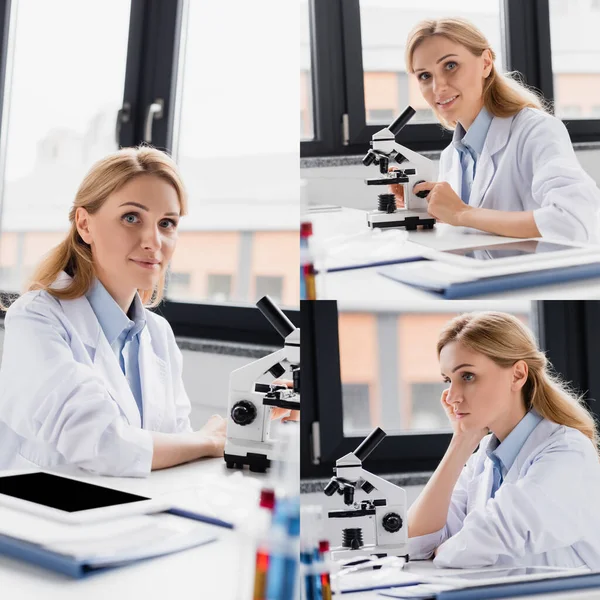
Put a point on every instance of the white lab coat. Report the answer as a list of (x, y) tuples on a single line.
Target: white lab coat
[(544, 513), (528, 163), (64, 398)]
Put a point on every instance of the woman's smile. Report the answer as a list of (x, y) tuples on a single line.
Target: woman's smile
[(151, 264), (447, 103)]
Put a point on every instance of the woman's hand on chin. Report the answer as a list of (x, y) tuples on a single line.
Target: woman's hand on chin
[(461, 428)]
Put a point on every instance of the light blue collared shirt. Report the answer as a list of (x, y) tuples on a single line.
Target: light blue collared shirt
[(469, 145), (122, 333), (503, 454)]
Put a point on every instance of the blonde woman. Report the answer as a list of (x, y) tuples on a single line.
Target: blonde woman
[(530, 494), (510, 169), (90, 377)]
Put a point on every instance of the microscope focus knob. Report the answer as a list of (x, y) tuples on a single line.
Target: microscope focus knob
[(392, 522), (424, 193), (243, 412)]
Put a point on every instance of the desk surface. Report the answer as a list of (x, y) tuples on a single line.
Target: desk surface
[(425, 566), (344, 232), (221, 569)]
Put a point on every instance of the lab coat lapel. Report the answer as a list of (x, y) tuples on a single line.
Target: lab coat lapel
[(480, 487), (106, 362), (81, 315), (539, 435), (153, 375), (496, 139), (455, 172)]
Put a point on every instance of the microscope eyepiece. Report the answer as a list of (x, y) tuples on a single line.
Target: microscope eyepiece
[(332, 487), (398, 124), (369, 443), (275, 316)]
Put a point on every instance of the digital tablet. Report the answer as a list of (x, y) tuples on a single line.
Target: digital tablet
[(510, 253), (71, 500), (495, 575)]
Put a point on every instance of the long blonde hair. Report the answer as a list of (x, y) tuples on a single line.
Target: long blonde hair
[(505, 340), (504, 95), (105, 177)]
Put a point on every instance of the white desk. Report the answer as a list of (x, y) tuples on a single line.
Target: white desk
[(210, 571), (425, 566), (345, 231)]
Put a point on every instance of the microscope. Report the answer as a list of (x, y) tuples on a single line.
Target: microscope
[(385, 511), (415, 169), (249, 440)]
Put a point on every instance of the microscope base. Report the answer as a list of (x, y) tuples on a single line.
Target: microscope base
[(257, 463), (407, 220)]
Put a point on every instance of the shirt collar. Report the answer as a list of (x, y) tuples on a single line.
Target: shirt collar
[(111, 317), (474, 138), (506, 451)]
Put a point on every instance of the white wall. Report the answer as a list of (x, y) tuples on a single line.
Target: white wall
[(345, 186)]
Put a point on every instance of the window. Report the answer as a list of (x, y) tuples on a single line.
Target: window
[(379, 351), (60, 111), (178, 285), (236, 141), (381, 116), (306, 95), (359, 79), (359, 75), (355, 401), (267, 285), (575, 59), (72, 95), (218, 288)]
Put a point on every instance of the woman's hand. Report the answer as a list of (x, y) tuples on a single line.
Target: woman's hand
[(213, 436), (397, 189), (460, 428), (443, 202), (285, 414)]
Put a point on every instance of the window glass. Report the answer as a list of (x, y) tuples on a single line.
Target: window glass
[(385, 25), (390, 371), (575, 58), (306, 94), (64, 87), (237, 146)]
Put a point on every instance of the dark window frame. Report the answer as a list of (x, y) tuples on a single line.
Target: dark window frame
[(569, 332), (526, 46), (151, 72)]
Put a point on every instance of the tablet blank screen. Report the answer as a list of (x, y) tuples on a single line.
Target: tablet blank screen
[(508, 250), (61, 493)]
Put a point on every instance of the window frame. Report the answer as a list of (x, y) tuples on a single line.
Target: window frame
[(526, 45), (152, 68), (568, 331)]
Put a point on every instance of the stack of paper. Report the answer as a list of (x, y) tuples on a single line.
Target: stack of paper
[(78, 549)]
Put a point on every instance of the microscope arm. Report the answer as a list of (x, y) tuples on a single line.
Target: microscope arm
[(244, 378), (425, 166), (389, 490)]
